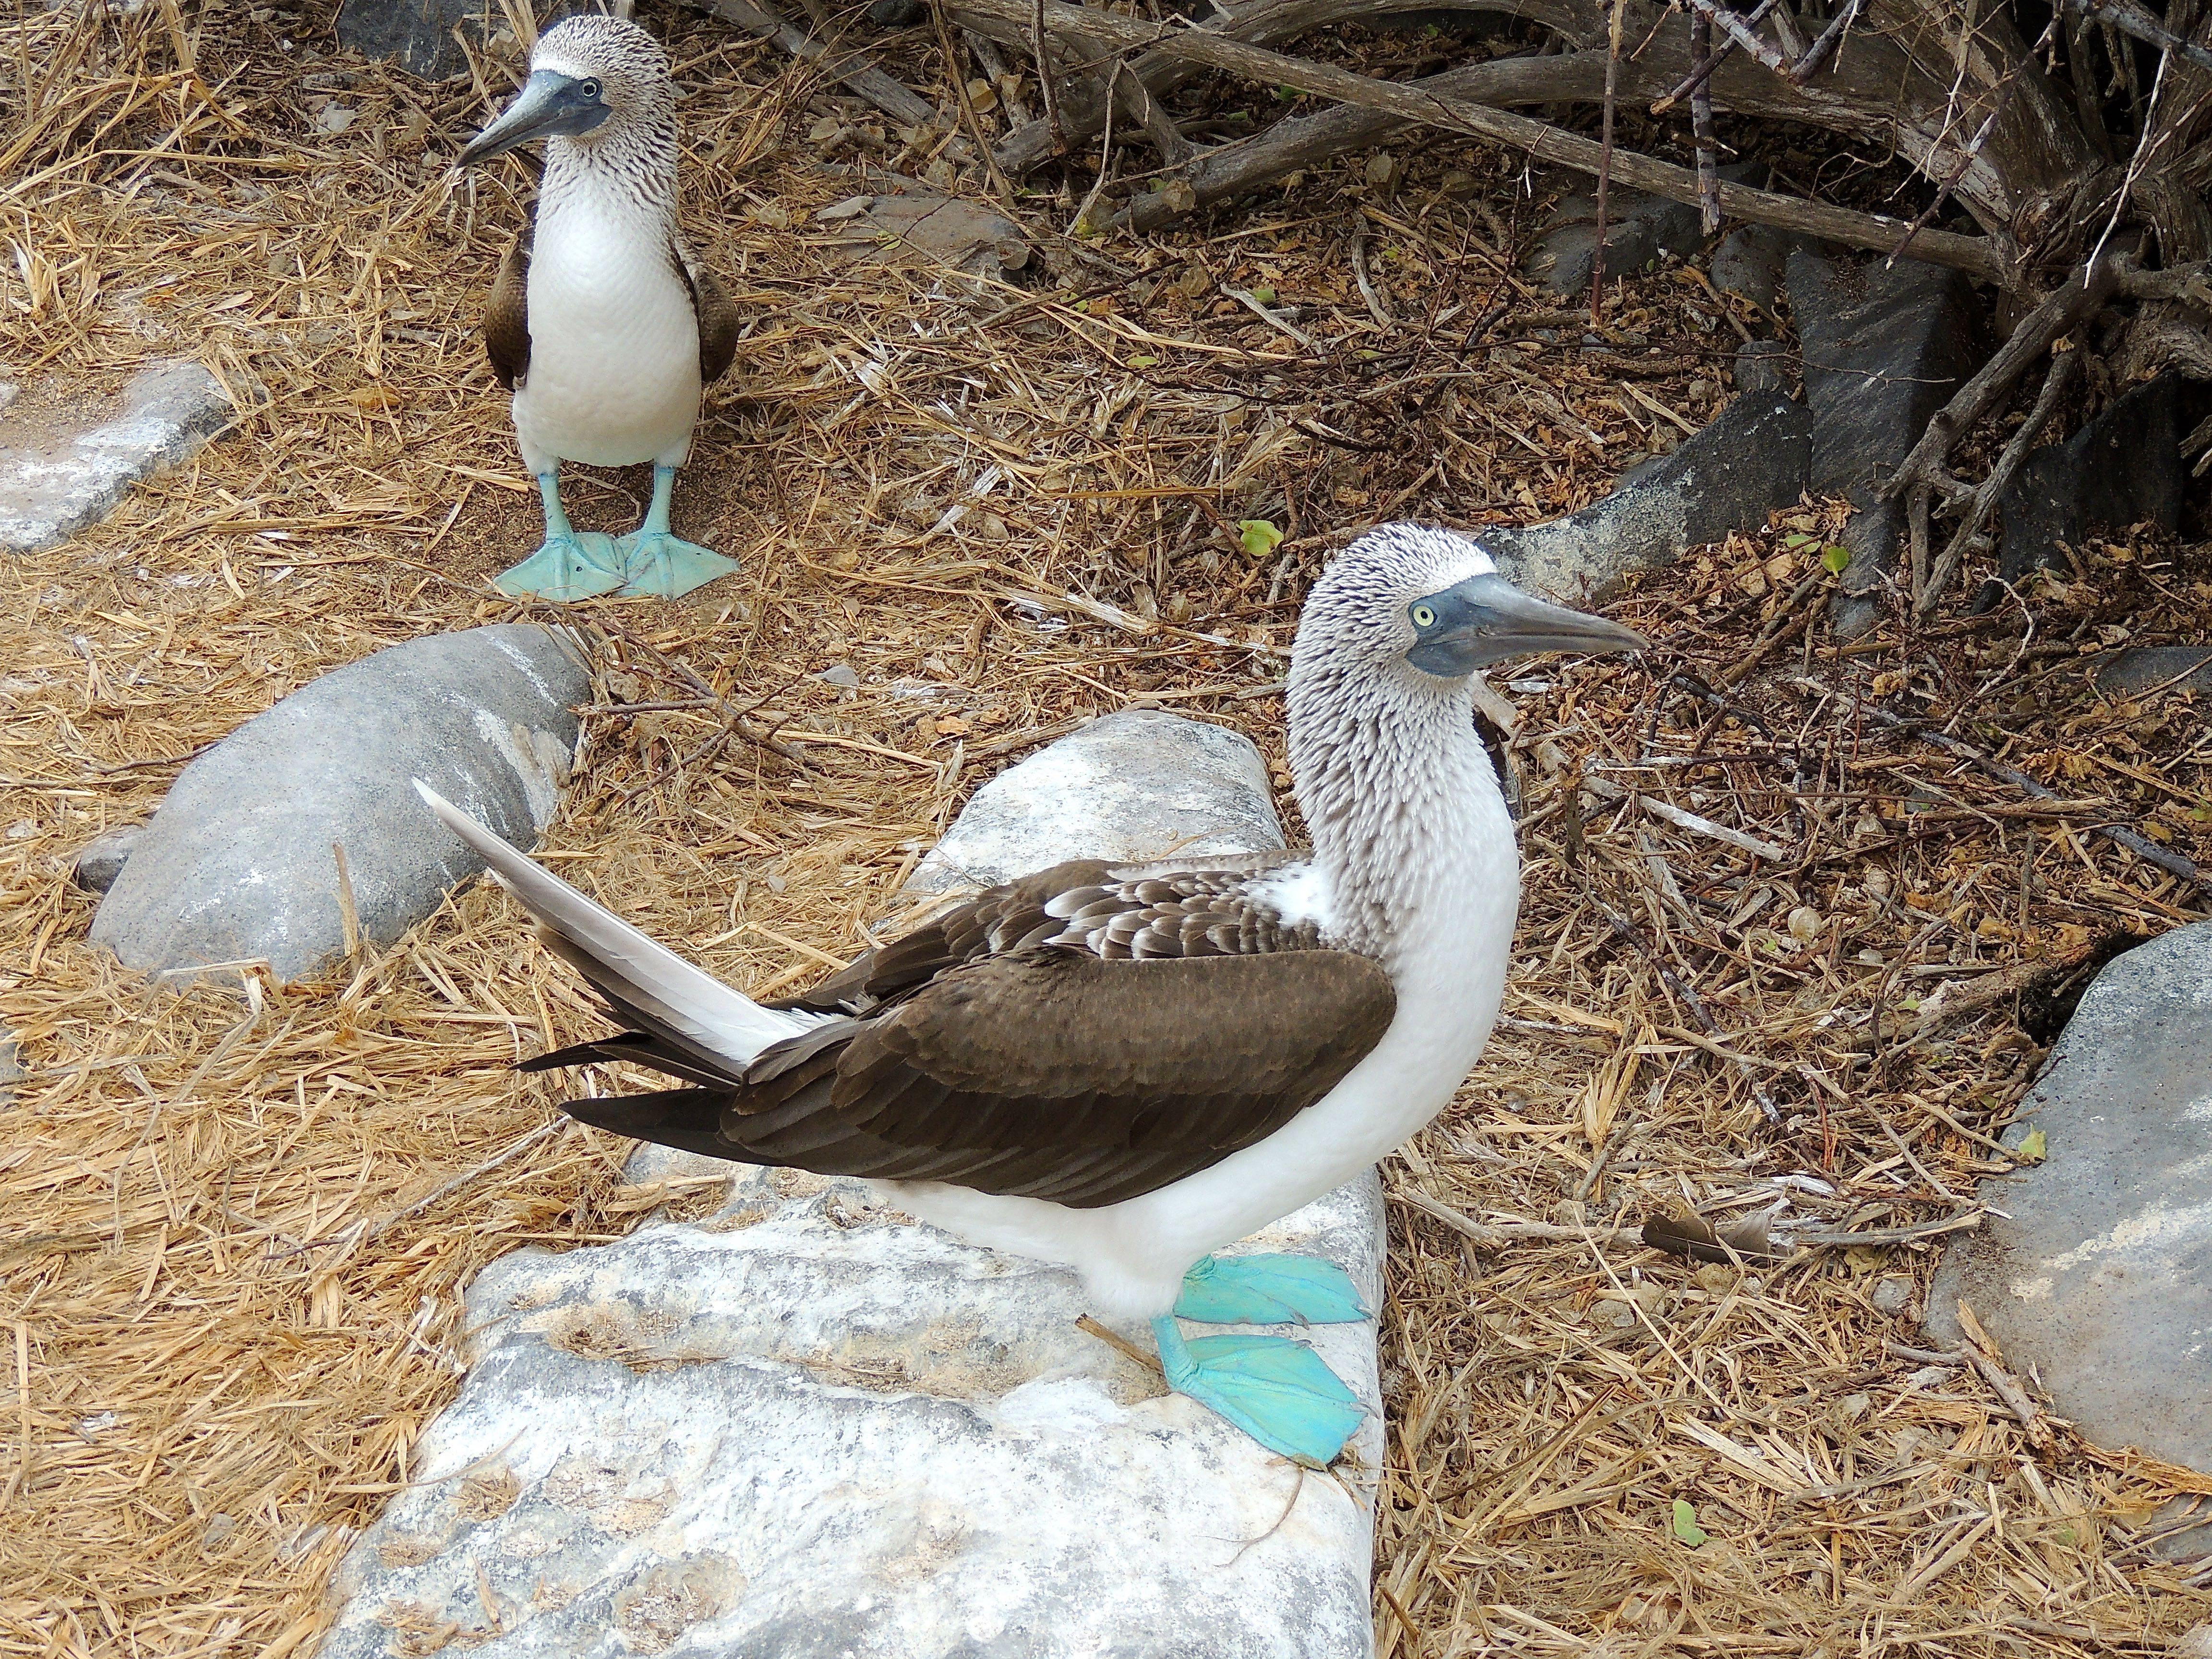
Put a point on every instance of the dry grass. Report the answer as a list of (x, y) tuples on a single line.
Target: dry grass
[(239, 1231)]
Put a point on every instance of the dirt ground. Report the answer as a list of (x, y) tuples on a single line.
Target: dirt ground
[(237, 1232)]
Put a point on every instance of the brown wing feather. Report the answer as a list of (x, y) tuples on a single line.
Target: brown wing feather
[(507, 313), (1052, 1073), (717, 317)]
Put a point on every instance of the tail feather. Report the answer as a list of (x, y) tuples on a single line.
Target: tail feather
[(622, 962)]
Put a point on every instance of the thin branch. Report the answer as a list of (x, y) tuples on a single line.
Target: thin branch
[(1704, 66), (1701, 127), (2065, 369), (1819, 52), (1605, 162), (865, 79), (1045, 86), (1741, 32), (2131, 18)]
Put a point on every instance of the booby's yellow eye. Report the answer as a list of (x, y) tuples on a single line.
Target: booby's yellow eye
[(590, 90), (1425, 616)]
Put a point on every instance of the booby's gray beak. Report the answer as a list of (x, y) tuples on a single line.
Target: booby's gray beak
[(548, 104), (1485, 619)]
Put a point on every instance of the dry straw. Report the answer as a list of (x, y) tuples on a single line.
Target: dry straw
[(237, 1229)]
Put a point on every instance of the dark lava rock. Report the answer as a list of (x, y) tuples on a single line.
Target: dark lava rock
[(2143, 668), (416, 35), (1749, 262), (2097, 1273), (103, 858), (2124, 467), (1883, 349), (237, 865), (1761, 367), (1639, 228), (1747, 462)]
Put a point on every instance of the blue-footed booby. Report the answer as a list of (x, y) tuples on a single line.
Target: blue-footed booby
[(601, 322), (1122, 1068)]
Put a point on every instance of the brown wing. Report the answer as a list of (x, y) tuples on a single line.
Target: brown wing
[(1048, 1073), (507, 313), (717, 317)]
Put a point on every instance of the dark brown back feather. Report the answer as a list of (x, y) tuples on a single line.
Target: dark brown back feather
[(717, 317), (507, 313)]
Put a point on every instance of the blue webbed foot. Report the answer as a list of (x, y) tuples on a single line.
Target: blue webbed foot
[(572, 564), (658, 563), (1277, 1391), (1270, 1289)]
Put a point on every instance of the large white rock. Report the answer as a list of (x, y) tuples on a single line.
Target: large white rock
[(806, 1425), (54, 481)]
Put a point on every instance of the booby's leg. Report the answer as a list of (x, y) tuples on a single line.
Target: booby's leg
[(658, 564), (570, 563), (1277, 1391), (1270, 1289)]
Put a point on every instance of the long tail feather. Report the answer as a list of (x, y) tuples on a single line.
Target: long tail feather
[(621, 961)]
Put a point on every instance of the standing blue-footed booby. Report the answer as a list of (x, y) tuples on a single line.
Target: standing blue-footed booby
[(1121, 1068), (601, 322)]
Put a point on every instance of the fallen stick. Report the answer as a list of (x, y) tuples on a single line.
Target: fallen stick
[(870, 83)]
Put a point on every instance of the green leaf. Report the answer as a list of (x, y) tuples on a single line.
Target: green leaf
[(1686, 1524), (1835, 558), (1797, 538), (2034, 1147), (1259, 537), (1265, 296), (1144, 362)]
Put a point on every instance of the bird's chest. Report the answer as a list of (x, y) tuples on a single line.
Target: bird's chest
[(614, 340)]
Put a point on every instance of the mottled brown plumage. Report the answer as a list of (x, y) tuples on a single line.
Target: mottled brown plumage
[(1084, 1035)]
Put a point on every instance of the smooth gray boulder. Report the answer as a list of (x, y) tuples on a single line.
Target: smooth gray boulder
[(2097, 1275), (807, 1426), (1744, 463), (55, 478), (100, 860), (1882, 349), (1152, 785), (237, 865)]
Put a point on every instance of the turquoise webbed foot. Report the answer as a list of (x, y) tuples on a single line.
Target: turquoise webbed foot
[(1277, 1391), (1270, 1289), (573, 564), (666, 567)]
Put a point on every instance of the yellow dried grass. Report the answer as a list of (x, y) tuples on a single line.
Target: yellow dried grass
[(239, 1231)]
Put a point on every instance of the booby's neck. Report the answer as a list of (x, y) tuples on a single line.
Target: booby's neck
[(1403, 805), (623, 172)]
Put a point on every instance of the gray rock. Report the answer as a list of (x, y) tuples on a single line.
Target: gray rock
[(807, 1426), (1762, 368), (1883, 349), (2144, 668), (2098, 1273), (2123, 468), (11, 1069), (910, 224), (56, 479), (1892, 1296), (1152, 785), (1639, 228), (103, 857), (236, 866), (1747, 462), (416, 35), (1748, 262), (8, 392)]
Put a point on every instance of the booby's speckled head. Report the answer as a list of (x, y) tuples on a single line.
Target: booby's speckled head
[(592, 80), (1431, 600)]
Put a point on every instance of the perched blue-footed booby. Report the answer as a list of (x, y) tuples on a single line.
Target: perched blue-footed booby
[(601, 322), (1122, 1068)]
